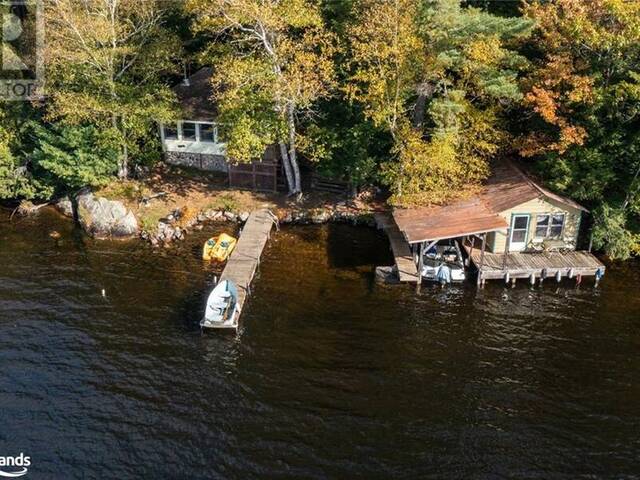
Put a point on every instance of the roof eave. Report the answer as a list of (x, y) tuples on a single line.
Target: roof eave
[(463, 234)]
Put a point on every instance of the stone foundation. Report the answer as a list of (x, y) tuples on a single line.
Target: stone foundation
[(202, 161)]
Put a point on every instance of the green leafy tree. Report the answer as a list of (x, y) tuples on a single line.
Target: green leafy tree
[(106, 60), (273, 66), (70, 157), (16, 179), (583, 95), (441, 78)]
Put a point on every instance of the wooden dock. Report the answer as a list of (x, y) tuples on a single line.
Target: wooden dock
[(243, 262), (535, 265), (407, 270)]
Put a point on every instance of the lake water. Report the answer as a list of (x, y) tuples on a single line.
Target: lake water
[(332, 375)]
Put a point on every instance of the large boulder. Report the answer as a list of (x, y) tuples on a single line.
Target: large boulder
[(102, 218)]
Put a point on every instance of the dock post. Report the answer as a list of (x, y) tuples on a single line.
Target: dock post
[(558, 275), (532, 279), (484, 246), (506, 278), (420, 264), (506, 250), (513, 282), (473, 244)]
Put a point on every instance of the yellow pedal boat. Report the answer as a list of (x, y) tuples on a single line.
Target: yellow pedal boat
[(219, 248)]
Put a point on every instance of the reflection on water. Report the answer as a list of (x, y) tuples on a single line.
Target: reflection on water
[(332, 374)]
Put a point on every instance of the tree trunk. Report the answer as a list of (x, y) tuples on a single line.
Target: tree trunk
[(419, 110), (292, 148), (123, 165), (123, 162), (287, 168), (425, 92)]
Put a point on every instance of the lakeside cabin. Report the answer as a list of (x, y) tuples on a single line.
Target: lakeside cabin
[(197, 140), (512, 228)]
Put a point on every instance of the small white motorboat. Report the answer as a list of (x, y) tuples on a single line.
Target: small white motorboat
[(443, 263), (222, 307)]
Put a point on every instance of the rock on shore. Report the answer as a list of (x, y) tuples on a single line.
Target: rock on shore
[(65, 206), (104, 218)]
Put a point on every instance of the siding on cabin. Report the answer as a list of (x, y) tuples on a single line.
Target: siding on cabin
[(496, 240), (213, 163)]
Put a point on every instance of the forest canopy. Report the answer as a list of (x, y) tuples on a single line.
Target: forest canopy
[(417, 97)]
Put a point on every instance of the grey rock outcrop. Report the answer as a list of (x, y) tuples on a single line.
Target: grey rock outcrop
[(104, 218)]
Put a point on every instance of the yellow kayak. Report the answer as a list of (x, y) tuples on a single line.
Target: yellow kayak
[(218, 248)]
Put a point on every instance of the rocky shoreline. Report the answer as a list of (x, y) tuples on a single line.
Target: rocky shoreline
[(111, 219), (180, 222)]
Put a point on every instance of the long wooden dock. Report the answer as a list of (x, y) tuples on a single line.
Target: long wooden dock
[(244, 261), (535, 265), (407, 270)]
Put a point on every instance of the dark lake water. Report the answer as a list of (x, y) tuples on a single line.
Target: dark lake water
[(332, 375)]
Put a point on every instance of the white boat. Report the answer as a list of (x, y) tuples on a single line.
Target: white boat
[(443, 263), (222, 307)]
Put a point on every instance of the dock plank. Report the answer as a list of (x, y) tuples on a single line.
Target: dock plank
[(407, 270), (525, 264), (243, 262)]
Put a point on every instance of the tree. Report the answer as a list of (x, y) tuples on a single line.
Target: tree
[(272, 62), (72, 157), (105, 59), (584, 97), (440, 78), (16, 178)]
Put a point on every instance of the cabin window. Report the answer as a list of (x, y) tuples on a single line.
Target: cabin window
[(550, 225), (519, 228), (171, 132), (207, 133), (189, 131), (557, 225)]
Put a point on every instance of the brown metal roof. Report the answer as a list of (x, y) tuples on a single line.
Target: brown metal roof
[(507, 188), (196, 98), (465, 217)]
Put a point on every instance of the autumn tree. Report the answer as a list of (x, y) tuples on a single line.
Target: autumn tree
[(583, 95), (439, 77), (105, 60), (272, 61)]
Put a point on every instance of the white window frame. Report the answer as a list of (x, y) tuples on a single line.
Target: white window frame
[(163, 131), (197, 131), (549, 225), (215, 132), (180, 132)]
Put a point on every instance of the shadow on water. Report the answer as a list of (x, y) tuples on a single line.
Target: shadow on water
[(333, 375)]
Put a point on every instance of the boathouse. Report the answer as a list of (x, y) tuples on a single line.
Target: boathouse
[(512, 228)]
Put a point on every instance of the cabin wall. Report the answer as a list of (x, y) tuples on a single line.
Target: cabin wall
[(496, 240), (212, 163), (205, 155)]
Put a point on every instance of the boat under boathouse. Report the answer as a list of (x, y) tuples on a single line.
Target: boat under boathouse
[(512, 228)]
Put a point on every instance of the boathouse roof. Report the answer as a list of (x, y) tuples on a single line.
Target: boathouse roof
[(195, 96), (506, 188)]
